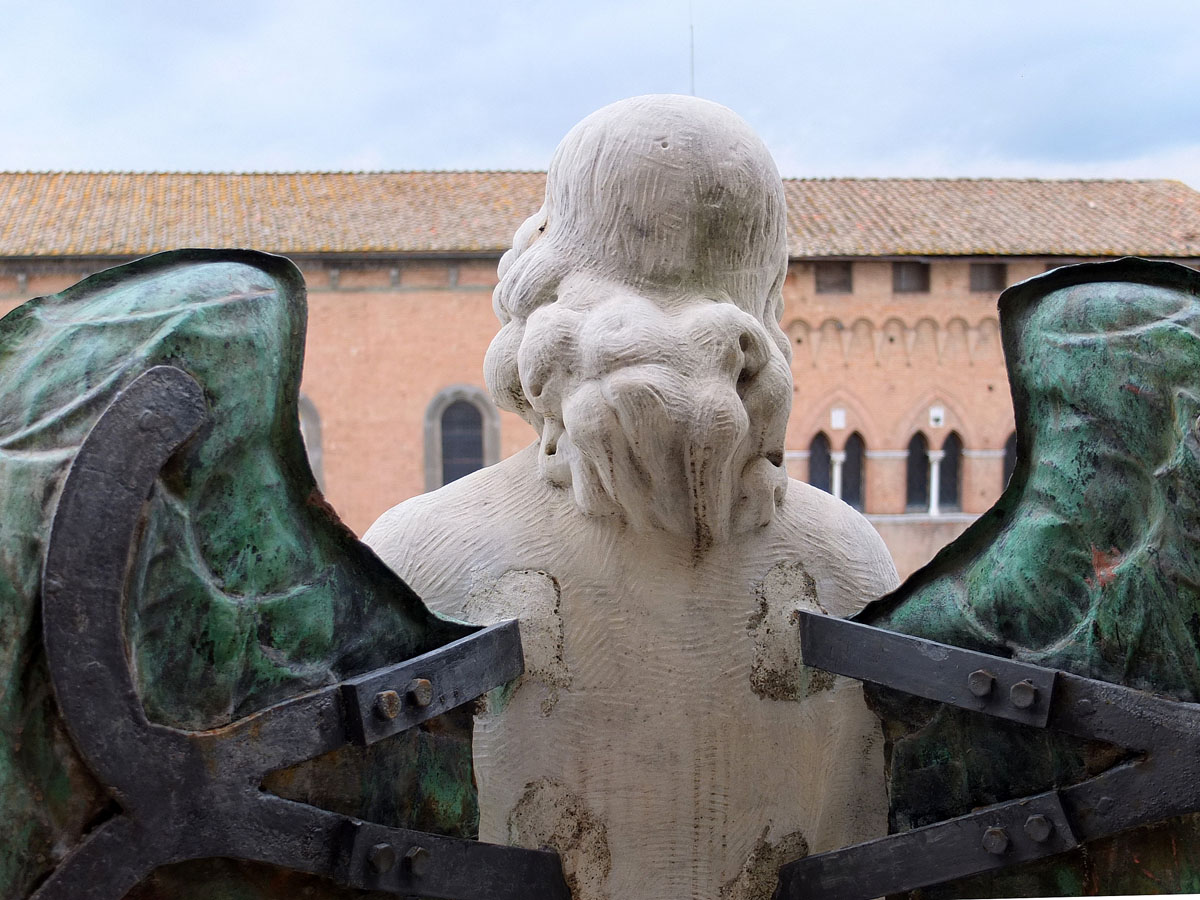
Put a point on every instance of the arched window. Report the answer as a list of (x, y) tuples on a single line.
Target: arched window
[(852, 471), (917, 492), (462, 440), (949, 475), (818, 463), (462, 434), (1010, 457)]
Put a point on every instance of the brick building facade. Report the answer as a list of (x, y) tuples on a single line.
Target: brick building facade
[(901, 402)]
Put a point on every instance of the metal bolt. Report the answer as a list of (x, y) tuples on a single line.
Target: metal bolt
[(1022, 694), (420, 692), (980, 682), (1038, 829), (1085, 708), (995, 840), (387, 704), (1104, 807), (382, 858), (416, 860)]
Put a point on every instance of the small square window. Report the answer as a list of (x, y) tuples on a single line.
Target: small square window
[(989, 277), (910, 277), (835, 278)]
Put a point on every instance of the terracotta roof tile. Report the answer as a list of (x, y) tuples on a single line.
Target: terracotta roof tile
[(121, 213), (969, 217)]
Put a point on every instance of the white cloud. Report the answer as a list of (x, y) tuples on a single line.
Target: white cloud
[(928, 87)]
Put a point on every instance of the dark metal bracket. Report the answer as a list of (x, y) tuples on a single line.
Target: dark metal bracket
[(387, 701), (192, 795), (1163, 782)]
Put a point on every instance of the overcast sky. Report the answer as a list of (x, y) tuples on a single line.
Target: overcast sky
[(1053, 88)]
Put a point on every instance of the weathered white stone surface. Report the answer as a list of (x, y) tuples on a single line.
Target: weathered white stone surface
[(665, 737)]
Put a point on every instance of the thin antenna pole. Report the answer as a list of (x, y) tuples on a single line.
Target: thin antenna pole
[(692, 31)]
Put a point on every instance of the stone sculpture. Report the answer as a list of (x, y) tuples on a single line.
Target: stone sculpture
[(665, 739), (1087, 564)]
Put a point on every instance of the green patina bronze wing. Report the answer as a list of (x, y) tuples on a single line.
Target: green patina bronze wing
[(246, 588), (1088, 563)]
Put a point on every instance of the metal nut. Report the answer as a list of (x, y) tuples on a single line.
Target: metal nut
[(416, 860), (420, 692), (1023, 694), (382, 858), (995, 840), (387, 704), (1038, 829), (980, 682)]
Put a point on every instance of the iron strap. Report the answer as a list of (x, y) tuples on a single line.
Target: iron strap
[(990, 838), (1163, 782), (967, 679), (191, 795)]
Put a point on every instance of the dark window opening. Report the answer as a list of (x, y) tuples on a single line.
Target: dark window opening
[(950, 474), (852, 472), (917, 491), (462, 440), (989, 277), (818, 463), (1010, 457), (835, 278), (910, 277)]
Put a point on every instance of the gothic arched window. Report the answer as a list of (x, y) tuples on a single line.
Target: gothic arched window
[(852, 471), (462, 434), (917, 489), (950, 474), (462, 440), (818, 463)]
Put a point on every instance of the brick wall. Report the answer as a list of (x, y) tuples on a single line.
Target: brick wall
[(386, 335)]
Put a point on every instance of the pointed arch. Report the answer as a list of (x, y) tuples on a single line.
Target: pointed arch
[(805, 422), (949, 471), (917, 474), (462, 434), (853, 469), (819, 463), (916, 418)]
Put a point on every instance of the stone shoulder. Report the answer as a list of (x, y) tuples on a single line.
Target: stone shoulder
[(847, 556), (438, 541)]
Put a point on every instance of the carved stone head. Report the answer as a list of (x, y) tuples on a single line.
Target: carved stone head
[(640, 311)]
